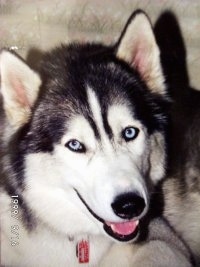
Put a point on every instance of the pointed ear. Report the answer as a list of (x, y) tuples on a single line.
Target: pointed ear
[(19, 88), (137, 46)]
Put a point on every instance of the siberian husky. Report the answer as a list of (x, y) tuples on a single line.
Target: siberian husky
[(82, 150)]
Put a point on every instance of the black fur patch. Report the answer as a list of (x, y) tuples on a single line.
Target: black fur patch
[(72, 68)]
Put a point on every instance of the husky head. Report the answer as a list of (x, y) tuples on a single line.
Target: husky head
[(85, 139)]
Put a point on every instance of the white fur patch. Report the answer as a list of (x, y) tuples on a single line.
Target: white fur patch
[(96, 111)]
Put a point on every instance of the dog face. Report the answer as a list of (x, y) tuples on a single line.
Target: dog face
[(87, 151)]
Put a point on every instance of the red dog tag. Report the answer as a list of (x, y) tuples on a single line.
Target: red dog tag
[(83, 251)]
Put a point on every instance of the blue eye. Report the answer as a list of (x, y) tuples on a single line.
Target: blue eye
[(130, 133), (75, 146)]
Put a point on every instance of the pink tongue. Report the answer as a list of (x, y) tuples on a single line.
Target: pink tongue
[(125, 228)]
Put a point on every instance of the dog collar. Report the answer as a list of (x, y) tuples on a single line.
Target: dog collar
[(83, 251)]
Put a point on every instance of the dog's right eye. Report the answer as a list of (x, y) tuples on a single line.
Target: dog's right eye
[(75, 146)]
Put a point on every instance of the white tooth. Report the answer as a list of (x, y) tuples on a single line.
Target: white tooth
[(112, 227)]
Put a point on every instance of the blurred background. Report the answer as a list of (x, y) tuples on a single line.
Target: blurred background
[(43, 24)]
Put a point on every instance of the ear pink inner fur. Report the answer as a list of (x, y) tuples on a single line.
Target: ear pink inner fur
[(21, 96)]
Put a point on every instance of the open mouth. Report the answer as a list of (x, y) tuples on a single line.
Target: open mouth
[(123, 231)]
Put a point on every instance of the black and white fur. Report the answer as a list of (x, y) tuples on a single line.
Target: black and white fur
[(67, 155)]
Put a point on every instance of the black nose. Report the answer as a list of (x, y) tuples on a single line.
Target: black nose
[(128, 205)]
